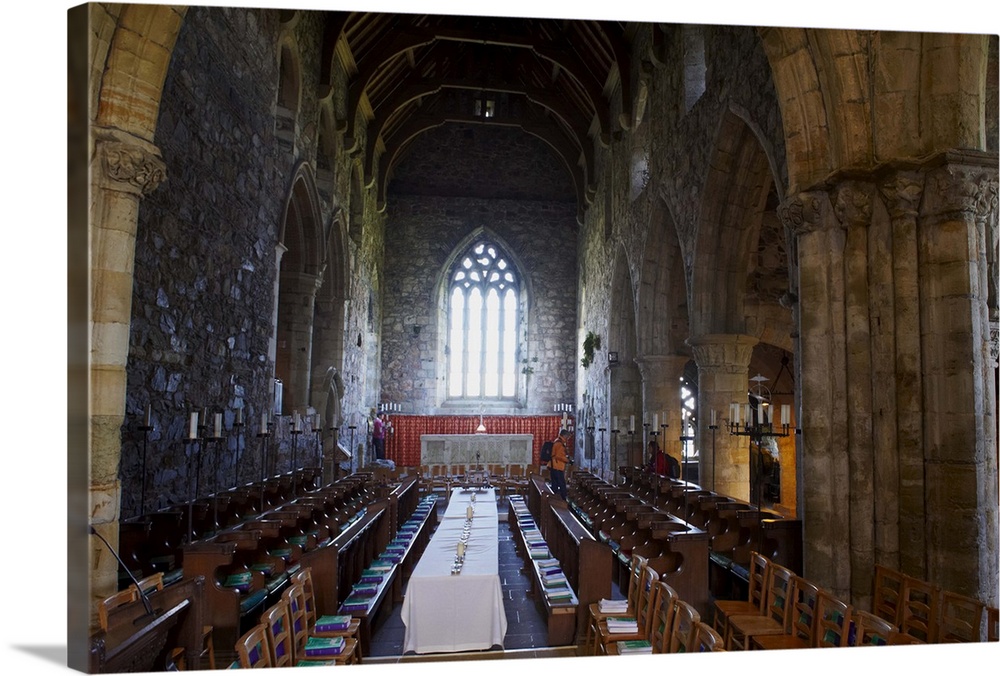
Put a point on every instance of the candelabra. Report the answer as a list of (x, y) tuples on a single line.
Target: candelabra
[(264, 434), (238, 427), (145, 428), (757, 425)]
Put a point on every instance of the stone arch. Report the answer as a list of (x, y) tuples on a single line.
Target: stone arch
[(854, 99), (289, 91), (733, 200), (662, 325), (330, 317), (128, 69), (625, 381), (300, 275)]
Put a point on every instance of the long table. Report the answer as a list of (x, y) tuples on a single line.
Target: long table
[(445, 612)]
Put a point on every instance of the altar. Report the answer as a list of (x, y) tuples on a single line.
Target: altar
[(469, 449)]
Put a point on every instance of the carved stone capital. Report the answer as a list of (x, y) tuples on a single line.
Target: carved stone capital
[(853, 203), (995, 343), (656, 367), (954, 188), (727, 352), (902, 192), (127, 163), (806, 212)]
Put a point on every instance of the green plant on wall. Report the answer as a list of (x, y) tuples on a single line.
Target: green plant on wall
[(528, 369), (591, 344)]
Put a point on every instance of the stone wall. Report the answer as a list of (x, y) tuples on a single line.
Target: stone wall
[(205, 264), (455, 181)]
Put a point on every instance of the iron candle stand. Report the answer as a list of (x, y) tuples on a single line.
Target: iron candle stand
[(145, 428)]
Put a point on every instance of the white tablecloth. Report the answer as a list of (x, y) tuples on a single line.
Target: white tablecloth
[(451, 613)]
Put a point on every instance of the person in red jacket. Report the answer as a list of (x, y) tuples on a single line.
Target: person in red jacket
[(557, 467)]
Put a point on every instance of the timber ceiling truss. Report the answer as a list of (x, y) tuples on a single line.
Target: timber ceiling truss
[(555, 79)]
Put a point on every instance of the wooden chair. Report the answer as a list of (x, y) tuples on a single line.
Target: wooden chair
[(643, 615), (753, 604), (279, 634), (295, 596), (780, 592), (116, 600), (961, 619), (704, 639), (632, 595), (252, 649), (870, 629), (663, 618), (801, 628), (888, 588), (918, 609), (993, 624), (682, 631), (833, 622)]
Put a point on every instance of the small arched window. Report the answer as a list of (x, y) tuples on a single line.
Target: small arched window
[(483, 320)]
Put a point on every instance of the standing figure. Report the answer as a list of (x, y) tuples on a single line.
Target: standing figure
[(557, 467), (378, 437)]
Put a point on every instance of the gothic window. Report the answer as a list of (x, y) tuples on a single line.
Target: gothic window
[(483, 319)]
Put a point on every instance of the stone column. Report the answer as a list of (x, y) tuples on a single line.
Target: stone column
[(295, 331), (661, 392), (824, 460), (124, 168), (958, 394), (723, 366), (853, 204)]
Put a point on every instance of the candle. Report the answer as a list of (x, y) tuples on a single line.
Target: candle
[(318, 423), (239, 416), (263, 422), (296, 421), (468, 512), (663, 418), (193, 427), (713, 417), (631, 423), (149, 416), (734, 414), (746, 414), (461, 549), (614, 423), (656, 421), (786, 415), (218, 426)]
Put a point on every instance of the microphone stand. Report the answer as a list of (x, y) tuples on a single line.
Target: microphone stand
[(142, 597)]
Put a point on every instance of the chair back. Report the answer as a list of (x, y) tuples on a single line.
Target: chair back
[(704, 639), (961, 619), (870, 629), (888, 588), (758, 576), (918, 609), (779, 593), (833, 621), (279, 634), (303, 576), (252, 649), (646, 603), (802, 619), (636, 572), (295, 597), (151, 583), (685, 619), (114, 601), (992, 624), (663, 618), (897, 637)]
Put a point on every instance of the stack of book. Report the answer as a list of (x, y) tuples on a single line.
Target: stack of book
[(622, 625), (634, 647), (240, 581), (333, 623), (613, 606), (364, 590), (355, 604), (318, 646)]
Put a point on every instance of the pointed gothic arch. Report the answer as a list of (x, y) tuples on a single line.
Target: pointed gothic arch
[(300, 275)]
